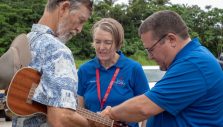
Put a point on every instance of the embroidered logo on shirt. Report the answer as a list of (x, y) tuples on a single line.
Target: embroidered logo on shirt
[(120, 82)]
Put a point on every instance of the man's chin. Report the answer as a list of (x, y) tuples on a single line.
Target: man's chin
[(163, 67), (102, 58), (65, 40)]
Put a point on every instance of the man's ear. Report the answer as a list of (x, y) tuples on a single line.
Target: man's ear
[(64, 7), (172, 39)]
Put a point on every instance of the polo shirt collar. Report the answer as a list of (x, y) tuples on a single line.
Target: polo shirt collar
[(190, 46), (120, 63)]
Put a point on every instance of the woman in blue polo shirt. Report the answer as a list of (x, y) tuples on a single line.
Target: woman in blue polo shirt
[(110, 78)]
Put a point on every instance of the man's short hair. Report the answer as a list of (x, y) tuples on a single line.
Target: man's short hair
[(75, 4), (164, 22)]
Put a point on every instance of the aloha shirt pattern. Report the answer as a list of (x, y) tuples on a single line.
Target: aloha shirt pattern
[(58, 84)]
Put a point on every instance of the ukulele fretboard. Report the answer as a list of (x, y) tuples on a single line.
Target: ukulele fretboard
[(94, 117)]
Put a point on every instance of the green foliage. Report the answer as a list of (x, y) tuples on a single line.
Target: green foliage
[(142, 57), (79, 62), (17, 17)]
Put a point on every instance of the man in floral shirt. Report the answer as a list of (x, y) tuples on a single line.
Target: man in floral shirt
[(62, 19)]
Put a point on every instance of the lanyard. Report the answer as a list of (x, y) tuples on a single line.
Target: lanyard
[(102, 102)]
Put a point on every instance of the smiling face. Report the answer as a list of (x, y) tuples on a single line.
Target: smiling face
[(72, 23), (104, 45)]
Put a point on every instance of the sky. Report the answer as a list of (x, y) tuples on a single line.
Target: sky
[(200, 3)]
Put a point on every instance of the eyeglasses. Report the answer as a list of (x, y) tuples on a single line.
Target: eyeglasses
[(150, 50)]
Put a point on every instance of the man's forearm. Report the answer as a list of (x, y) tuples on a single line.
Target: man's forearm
[(61, 117), (132, 110), (76, 120)]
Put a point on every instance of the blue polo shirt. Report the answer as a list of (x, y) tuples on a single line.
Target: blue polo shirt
[(191, 91), (131, 81)]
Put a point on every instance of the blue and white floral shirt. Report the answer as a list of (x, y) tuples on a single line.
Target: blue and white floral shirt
[(58, 84)]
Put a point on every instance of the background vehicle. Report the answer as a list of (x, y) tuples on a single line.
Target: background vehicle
[(220, 60), (153, 74)]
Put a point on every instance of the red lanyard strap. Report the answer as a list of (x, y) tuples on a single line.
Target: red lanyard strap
[(109, 87)]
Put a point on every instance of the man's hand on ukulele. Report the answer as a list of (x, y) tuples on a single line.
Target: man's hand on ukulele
[(106, 112)]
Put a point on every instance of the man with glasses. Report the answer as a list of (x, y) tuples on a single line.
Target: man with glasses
[(62, 19), (191, 92), (150, 50)]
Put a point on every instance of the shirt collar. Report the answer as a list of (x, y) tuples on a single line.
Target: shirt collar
[(120, 63), (190, 46), (42, 29)]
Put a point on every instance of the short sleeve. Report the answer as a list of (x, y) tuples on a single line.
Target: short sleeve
[(139, 80), (58, 84), (81, 88)]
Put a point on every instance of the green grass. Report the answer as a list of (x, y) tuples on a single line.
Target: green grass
[(79, 62), (143, 61), (142, 58)]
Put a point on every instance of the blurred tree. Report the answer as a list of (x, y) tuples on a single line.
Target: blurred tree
[(17, 17)]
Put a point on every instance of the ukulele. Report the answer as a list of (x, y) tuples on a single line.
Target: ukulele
[(21, 91)]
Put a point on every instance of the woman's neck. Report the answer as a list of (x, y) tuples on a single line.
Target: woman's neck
[(109, 63)]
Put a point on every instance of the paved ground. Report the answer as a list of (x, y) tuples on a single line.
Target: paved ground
[(5, 124)]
